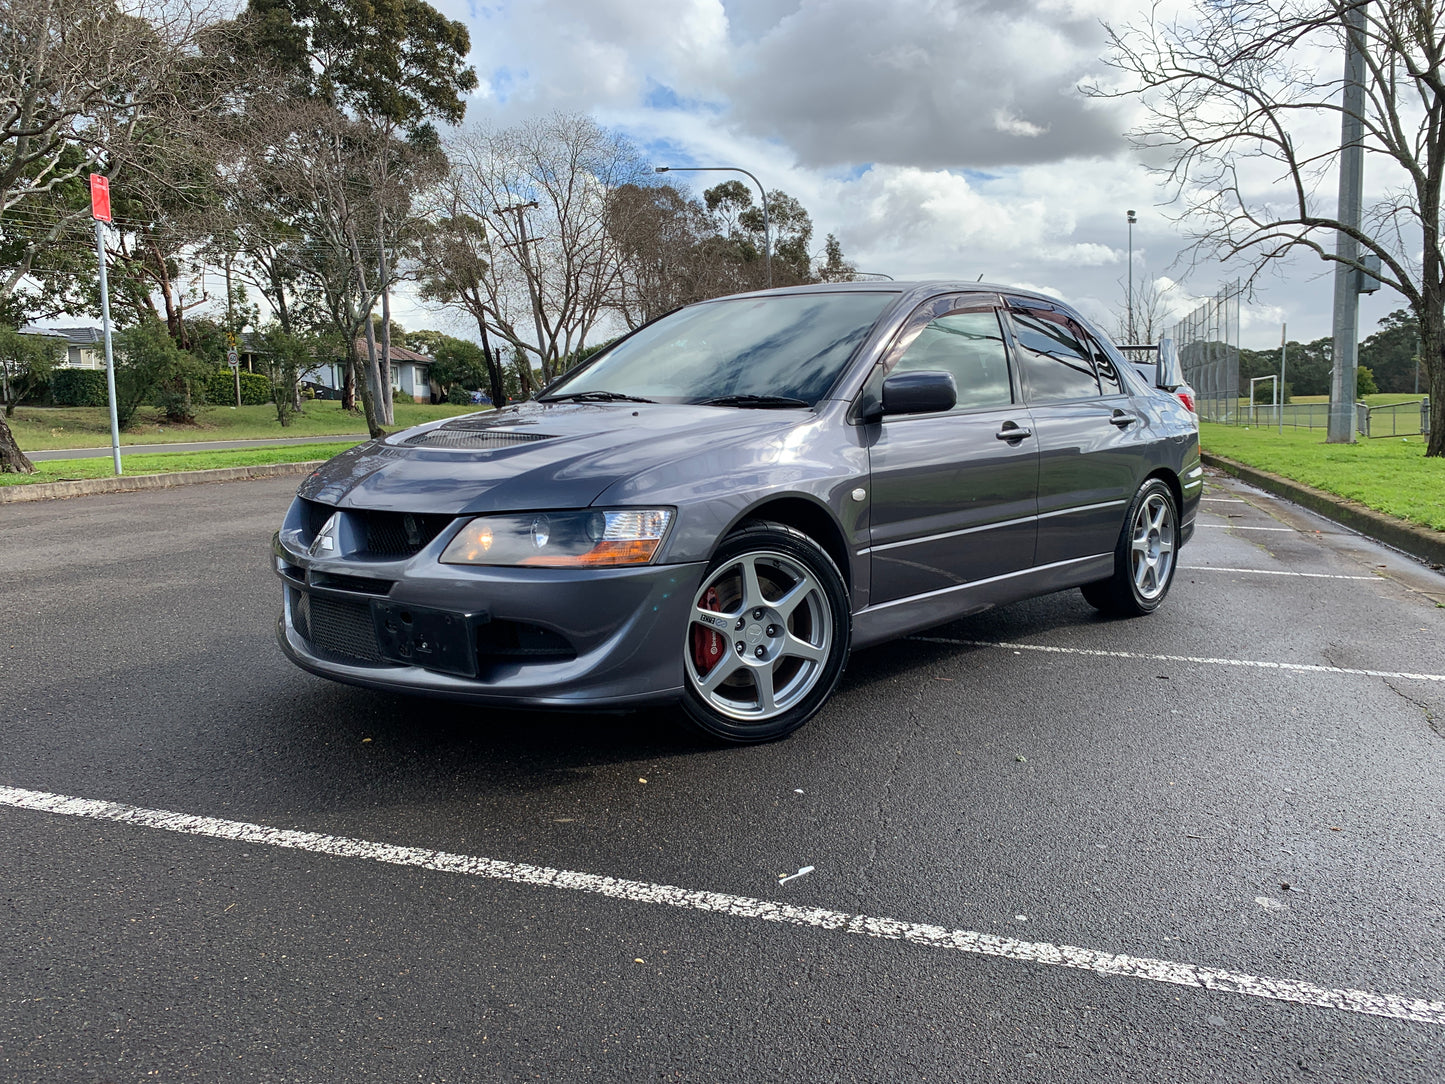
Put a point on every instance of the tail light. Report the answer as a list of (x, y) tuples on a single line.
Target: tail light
[(1187, 398)]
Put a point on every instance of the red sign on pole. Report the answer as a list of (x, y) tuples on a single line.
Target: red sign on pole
[(99, 197)]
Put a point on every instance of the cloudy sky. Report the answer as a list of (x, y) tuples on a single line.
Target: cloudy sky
[(933, 137)]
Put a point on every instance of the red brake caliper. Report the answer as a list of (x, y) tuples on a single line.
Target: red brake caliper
[(707, 646)]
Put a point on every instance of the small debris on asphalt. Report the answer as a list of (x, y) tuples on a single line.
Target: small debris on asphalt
[(782, 880), (1021, 758), (797, 790), (641, 780)]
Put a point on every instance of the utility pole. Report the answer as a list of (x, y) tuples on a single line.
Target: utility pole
[(520, 209), (1347, 247)]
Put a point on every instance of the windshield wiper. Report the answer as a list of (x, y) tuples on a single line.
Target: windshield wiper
[(763, 401), (596, 397)]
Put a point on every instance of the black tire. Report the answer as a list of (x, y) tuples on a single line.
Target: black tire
[(1144, 559), (768, 635)]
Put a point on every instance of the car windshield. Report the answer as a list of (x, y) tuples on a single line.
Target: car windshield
[(782, 350)]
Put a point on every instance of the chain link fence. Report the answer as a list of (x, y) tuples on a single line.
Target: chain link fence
[(1208, 344)]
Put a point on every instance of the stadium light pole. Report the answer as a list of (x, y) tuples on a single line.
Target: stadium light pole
[(1132, 220), (767, 233)]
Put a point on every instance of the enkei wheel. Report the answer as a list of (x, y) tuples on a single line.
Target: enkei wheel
[(1144, 559), (767, 637)]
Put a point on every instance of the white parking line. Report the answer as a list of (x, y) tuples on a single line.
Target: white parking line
[(1301, 667), (1102, 963), (1272, 572), (1238, 527), (1224, 500)]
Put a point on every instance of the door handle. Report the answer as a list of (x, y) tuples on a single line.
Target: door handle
[(1013, 432), (1122, 418)]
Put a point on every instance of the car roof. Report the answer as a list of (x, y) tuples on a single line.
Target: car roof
[(911, 290)]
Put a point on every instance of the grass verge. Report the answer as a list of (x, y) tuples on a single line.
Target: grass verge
[(1390, 474), (71, 470), (45, 428)]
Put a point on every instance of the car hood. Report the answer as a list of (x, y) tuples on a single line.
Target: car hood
[(532, 456)]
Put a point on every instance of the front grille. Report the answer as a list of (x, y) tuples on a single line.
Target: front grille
[(337, 627), (400, 534), (457, 437)]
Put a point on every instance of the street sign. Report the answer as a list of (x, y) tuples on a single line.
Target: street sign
[(233, 359), (99, 197)]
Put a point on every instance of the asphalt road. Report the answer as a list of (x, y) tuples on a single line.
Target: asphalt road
[(1142, 790)]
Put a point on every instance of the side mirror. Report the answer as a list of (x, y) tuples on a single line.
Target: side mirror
[(1168, 373), (922, 392)]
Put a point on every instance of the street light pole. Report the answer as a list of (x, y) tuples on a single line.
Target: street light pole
[(767, 234), (1132, 220)]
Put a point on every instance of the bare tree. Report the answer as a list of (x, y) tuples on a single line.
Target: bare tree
[(543, 189), (1234, 97), (1153, 309), (84, 87)]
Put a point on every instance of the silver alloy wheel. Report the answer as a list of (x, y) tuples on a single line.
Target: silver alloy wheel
[(1151, 546), (776, 632)]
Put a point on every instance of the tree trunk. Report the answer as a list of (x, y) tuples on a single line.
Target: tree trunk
[(494, 368), (367, 389), (1432, 354), (12, 459)]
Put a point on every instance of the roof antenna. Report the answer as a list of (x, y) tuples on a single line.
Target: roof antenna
[(979, 279)]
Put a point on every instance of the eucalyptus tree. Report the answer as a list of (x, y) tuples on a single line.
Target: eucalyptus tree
[(392, 69), (1249, 129)]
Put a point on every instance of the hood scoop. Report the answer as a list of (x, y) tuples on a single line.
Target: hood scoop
[(468, 437)]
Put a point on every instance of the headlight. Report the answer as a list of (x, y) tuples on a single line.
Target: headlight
[(625, 536)]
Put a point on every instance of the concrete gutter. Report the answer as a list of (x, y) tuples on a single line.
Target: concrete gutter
[(131, 483), (1425, 543)]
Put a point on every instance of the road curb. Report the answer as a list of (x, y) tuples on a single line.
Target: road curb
[(131, 483), (1423, 542)]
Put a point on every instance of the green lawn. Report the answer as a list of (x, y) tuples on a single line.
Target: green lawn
[(45, 428), (70, 470), (1389, 474)]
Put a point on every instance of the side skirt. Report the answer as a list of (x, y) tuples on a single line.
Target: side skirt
[(897, 617)]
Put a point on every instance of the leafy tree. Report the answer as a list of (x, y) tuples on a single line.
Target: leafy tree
[(1237, 116), (150, 367), (1392, 353), (287, 358), (26, 362), (835, 268), (457, 363)]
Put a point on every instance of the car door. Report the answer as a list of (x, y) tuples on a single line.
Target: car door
[(1086, 428), (954, 495)]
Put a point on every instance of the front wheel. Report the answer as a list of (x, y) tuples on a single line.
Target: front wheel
[(1144, 559), (767, 636)]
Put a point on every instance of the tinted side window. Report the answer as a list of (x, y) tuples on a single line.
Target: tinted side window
[(970, 346), (1056, 357), (1109, 381)]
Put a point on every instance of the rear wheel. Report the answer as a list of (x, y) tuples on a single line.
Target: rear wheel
[(1144, 559), (767, 637)]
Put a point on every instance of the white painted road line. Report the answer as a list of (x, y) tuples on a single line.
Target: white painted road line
[(1241, 527), (1272, 572), (1224, 500), (1101, 963), (1299, 667)]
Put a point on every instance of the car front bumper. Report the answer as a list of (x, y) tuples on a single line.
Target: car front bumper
[(520, 637)]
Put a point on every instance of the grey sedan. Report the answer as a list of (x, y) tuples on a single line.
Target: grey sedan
[(719, 507)]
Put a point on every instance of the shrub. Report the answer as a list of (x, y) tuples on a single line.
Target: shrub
[(459, 396), (78, 387), (221, 388)]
